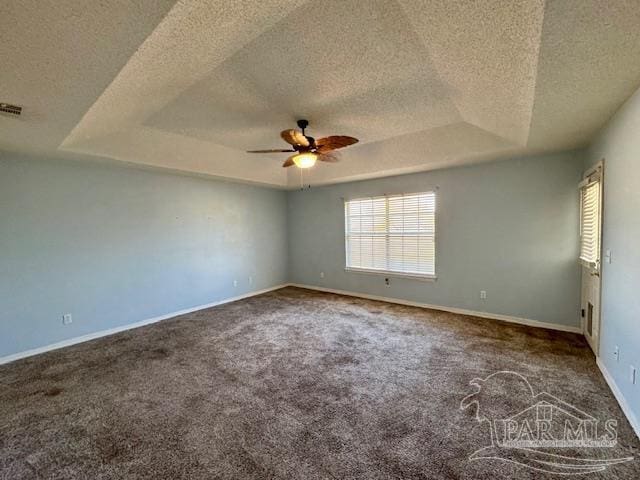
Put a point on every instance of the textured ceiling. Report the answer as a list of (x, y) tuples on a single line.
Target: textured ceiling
[(191, 85)]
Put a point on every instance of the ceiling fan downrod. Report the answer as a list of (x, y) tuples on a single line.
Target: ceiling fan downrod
[(302, 124)]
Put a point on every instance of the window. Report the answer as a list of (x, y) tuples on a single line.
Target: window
[(590, 222), (394, 234)]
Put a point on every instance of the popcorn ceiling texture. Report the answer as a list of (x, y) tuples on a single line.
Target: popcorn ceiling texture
[(422, 84), (58, 57), (293, 384)]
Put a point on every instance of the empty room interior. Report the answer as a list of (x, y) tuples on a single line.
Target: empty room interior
[(328, 239)]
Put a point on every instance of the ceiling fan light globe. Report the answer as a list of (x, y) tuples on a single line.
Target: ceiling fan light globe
[(305, 160)]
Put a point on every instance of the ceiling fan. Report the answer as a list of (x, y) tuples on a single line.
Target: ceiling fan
[(308, 149)]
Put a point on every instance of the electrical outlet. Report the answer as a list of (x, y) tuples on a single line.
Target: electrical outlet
[(632, 374), (387, 282), (321, 274), (67, 319), (483, 294), (235, 283), (616, 353), (250, 280), (607, 256)]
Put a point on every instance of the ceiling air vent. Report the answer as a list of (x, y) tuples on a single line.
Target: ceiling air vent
[(10, 109)]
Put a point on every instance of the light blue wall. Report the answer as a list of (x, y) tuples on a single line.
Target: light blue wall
[(510, 228), (114, 245), (619, 145)]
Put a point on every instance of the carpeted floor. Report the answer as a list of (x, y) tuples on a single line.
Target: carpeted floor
[(292, 384)]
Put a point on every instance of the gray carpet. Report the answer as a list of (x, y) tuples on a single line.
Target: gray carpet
[(293, 384)]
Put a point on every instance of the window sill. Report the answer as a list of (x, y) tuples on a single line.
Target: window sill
[(386, 273)]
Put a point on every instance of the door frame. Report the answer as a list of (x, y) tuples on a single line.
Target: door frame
[(598, 168)]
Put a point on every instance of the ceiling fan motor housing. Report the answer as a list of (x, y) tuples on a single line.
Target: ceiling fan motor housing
[(303, 124)]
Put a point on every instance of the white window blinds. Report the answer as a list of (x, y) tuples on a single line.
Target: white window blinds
[(590, 223), (394, 234)]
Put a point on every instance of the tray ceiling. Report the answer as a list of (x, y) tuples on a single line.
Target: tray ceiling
[(191, 85)]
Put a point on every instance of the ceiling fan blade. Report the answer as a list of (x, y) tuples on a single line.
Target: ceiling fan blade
[(329, 157), (270, 151), (288, 162), (295, 138), (334, 142)]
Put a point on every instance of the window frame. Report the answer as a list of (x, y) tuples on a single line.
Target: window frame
[(427, 277), (593, 175)]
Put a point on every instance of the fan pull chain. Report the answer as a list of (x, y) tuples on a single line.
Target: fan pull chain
[(302, 186)]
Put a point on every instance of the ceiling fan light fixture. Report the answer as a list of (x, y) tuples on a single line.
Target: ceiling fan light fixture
[(305, 160)]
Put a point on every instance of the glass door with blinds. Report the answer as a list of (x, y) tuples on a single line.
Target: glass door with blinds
[(590, 251), (391, 234)]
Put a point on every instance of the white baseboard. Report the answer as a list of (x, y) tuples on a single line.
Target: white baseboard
[(626, 409), (461, 311), (129, 326)]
